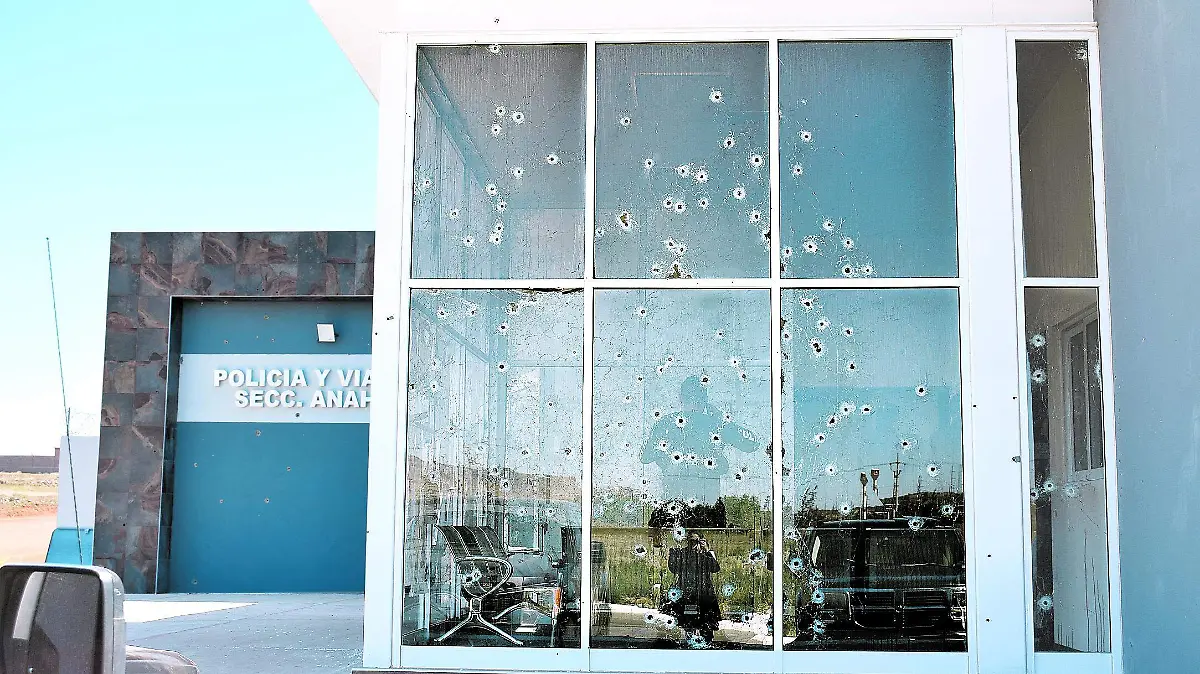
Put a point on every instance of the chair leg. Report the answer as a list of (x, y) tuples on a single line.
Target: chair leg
[(499, 631), (522, 605), (454, 629), (475, 616)]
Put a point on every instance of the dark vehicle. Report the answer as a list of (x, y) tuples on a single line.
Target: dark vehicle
[(881, 584)]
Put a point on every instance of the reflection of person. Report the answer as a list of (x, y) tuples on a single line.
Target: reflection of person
[(689, 445), (694, 602)]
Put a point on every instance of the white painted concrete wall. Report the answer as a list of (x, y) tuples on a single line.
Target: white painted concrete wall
[(80, 456)]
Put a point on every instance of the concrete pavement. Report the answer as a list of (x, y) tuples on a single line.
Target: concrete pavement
[(252, 633)]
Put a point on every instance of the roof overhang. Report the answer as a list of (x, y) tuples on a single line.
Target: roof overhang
[(357, 26)]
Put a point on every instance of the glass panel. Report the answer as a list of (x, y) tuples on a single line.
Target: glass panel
[(1055, 132), (682, 503), (492, 537), (499, 163), (866, 137), (682, 185), (873, 487), (1069, 498)]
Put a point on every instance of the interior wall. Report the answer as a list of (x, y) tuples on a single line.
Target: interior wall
[(1056, 186), (1150, 64)]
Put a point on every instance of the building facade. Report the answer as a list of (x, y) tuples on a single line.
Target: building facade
[(766, 338), (831, 383), (232, 301)]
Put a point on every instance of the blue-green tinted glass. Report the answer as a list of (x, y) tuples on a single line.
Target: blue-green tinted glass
[(867, 159), (874, 549), (682, 184), (498, 175), (682, 499), (493, 468)]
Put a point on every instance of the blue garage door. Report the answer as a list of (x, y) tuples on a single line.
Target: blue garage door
[(270, 488)]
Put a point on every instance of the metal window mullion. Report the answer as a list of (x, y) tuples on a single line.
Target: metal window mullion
[(402, 320), (777, 456), (775, 158), (589, 270), (1104, 301), (585, 592), (402, 326), (776, 381)]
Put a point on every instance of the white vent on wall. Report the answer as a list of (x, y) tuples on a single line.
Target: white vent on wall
[(325, 332)]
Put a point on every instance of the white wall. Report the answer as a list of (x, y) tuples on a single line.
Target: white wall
[(82, 454), (632, 15)]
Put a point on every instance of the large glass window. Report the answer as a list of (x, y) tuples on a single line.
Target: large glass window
[(608, 465), (499, 163), (494, 472), (875, 550), (866, 134), (682, 148), (681, 489)]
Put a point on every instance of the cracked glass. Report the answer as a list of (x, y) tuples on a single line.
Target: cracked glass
[(681, 488), (866, 138), (874, 546), (1068, 496), (498, 172), (682, 152), (494, 468)]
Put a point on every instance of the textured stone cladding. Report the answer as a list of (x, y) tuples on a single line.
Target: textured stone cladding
[(145, 271)]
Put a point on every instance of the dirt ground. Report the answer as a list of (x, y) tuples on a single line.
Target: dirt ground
[(25, 539), (28, 505)]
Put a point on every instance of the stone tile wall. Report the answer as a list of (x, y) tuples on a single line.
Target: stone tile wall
[(145, 271)]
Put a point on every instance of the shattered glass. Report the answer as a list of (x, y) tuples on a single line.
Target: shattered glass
[(1068, 496), (866, 134), (682, 152), (875, 557), (494, 466), (498, 174), (682, 491)]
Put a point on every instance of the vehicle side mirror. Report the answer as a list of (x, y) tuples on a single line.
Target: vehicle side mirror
[(61, 620)]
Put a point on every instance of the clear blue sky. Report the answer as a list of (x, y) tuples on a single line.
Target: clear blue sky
[(155, 116)]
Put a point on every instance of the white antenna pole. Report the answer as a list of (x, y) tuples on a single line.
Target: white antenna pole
[(66, 410)]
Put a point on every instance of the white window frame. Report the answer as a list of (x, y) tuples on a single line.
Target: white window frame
[(1072, 328), (987, 187), (1049, 662)]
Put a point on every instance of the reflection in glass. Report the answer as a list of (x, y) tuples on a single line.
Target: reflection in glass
[(682, 184), (1068, 496), (494, 469), (498, 175), (866, 139), (682, 516), (873, 483), (1055, 132)]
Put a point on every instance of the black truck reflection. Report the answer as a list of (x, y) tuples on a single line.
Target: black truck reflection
[(879, 584)]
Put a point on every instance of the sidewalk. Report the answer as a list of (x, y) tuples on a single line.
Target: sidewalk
[(252, 633)]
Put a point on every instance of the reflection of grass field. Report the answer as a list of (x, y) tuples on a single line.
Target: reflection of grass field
[(628, 579)]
